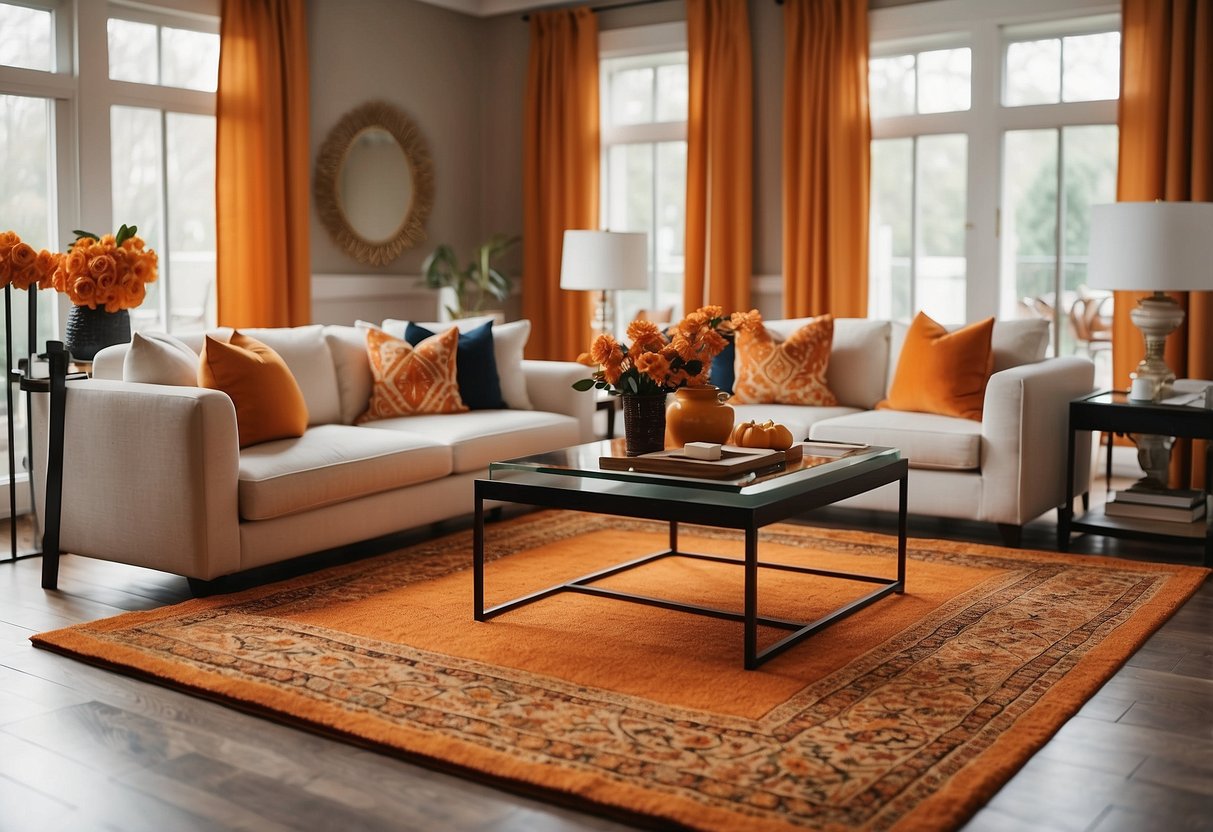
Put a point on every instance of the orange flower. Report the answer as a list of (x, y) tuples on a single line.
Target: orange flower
[(24, 278), (22, 256), (654, 365), (101, 264), (83, 292), (683, 348)]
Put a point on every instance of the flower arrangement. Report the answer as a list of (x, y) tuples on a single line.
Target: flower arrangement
[(659, 362), (20, 266), (111, 272)]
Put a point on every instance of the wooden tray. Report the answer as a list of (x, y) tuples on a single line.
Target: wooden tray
[(733, 462)]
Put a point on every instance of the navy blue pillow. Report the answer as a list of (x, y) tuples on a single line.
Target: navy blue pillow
[(722, 373), (475, 365)]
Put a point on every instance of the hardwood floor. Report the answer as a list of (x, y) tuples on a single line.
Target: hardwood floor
[(82, 748)]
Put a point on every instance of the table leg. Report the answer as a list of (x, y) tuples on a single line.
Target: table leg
[(751, 597), (673, 535), (901, 530), (1065, 512), (478, 557), (57, 357)]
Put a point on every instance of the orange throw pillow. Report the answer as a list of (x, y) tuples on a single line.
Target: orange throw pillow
[(785, 372), (943, 372), (410, 380), (269, 403)]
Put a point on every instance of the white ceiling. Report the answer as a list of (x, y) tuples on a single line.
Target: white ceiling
[(490, 8)]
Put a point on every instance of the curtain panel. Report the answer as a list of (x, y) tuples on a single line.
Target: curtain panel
[(719, 202), (560, 174), (1166, 152), (826, 139), (261, 165)]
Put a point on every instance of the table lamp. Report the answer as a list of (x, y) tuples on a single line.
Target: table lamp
[(604, 261), (1153, 247)]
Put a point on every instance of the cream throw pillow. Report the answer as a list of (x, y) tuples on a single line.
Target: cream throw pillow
[(159, 358)]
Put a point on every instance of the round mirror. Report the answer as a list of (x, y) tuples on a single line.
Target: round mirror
[(374, 183)]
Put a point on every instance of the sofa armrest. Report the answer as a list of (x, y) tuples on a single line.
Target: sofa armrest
[(549, 384), (1024, 436), (149, 476)]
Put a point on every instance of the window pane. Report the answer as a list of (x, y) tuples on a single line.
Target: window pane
[(630, 208), (891, 86), (672, 92), (191, 220), (1033, 72), (1091, 67), (940, 266), (632, 96), (132, 51), (137, 191), (26, 207), (190, 59), (891, 232), (669, 233), (1089, 168), (25, 38), (944, 80), (1029, 224)]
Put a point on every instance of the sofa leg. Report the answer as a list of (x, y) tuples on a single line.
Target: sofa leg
[(203, 589), (1086, 501), (1011, 535), (494, 514)]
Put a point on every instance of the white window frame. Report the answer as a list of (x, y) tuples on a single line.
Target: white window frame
[(624, 43), (984, 26)]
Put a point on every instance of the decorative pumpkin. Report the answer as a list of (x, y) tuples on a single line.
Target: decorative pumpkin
[(761, 435)]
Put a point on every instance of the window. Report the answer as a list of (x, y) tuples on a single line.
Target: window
[(644, 150), (980, 201), (162, 160)]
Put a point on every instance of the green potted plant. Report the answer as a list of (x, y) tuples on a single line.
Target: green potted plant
[(472, 285)]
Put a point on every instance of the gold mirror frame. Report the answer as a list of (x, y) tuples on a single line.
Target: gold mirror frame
[(328, 168)]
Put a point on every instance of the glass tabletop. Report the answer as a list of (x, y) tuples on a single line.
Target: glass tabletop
[(582, 461)]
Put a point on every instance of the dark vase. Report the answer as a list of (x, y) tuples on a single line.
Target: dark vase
[(644, 424), (91, 330)]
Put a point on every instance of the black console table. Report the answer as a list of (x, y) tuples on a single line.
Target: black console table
[(1114, 412)]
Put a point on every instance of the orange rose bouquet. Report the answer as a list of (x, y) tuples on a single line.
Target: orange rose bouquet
[(110, 272), (20, 266), (658, 362)]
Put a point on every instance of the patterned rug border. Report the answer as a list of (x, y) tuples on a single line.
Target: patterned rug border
[(966, 789)]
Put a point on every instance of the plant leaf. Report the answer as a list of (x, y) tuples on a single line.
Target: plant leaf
[(583, 384), (88, 234)]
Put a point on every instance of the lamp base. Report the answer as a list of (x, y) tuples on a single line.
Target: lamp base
[(1157, 317)]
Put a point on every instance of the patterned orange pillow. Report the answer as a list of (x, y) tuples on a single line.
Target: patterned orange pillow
[(409, 380), (785, 372), (943, 372)]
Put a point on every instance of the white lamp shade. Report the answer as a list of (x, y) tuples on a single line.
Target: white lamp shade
[(1152, 246), (604, 260)]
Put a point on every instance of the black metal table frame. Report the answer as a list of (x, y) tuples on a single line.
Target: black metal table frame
[(1137, 417), (748, 519)]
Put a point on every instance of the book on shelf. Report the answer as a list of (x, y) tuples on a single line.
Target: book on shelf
[(1145, 495), (1140, 511)]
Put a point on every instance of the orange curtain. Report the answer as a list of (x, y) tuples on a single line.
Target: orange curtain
[(261, 165), (719, 207), (560, 174), (1166, 136), (826, 139)]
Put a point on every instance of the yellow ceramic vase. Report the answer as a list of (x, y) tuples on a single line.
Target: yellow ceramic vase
[(698, 414)]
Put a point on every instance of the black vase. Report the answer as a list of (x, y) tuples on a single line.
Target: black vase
[(644, 424), (91, 330)]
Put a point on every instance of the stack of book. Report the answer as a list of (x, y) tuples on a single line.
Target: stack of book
[(1147, 503)]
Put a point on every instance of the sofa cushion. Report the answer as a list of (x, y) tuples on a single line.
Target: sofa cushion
[(331, 464), (796, 418), (304, 350), (1017, 342), (412, 380), (479, 437), (347, 344), (859, 358), (927, 440), (778, 370), (159, 358), (942, 372), (269, 404)]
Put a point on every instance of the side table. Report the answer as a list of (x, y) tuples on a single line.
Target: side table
[(1114, 412)]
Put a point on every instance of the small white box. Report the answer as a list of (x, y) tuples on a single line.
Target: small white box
[(702, 450)]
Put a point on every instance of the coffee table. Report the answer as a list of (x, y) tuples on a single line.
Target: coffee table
[(572, 479)]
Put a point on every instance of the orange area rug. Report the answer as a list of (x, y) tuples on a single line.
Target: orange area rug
[(909, 714)]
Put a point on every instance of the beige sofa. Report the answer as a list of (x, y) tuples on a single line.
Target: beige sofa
[(154, 476), (1008, 469)]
